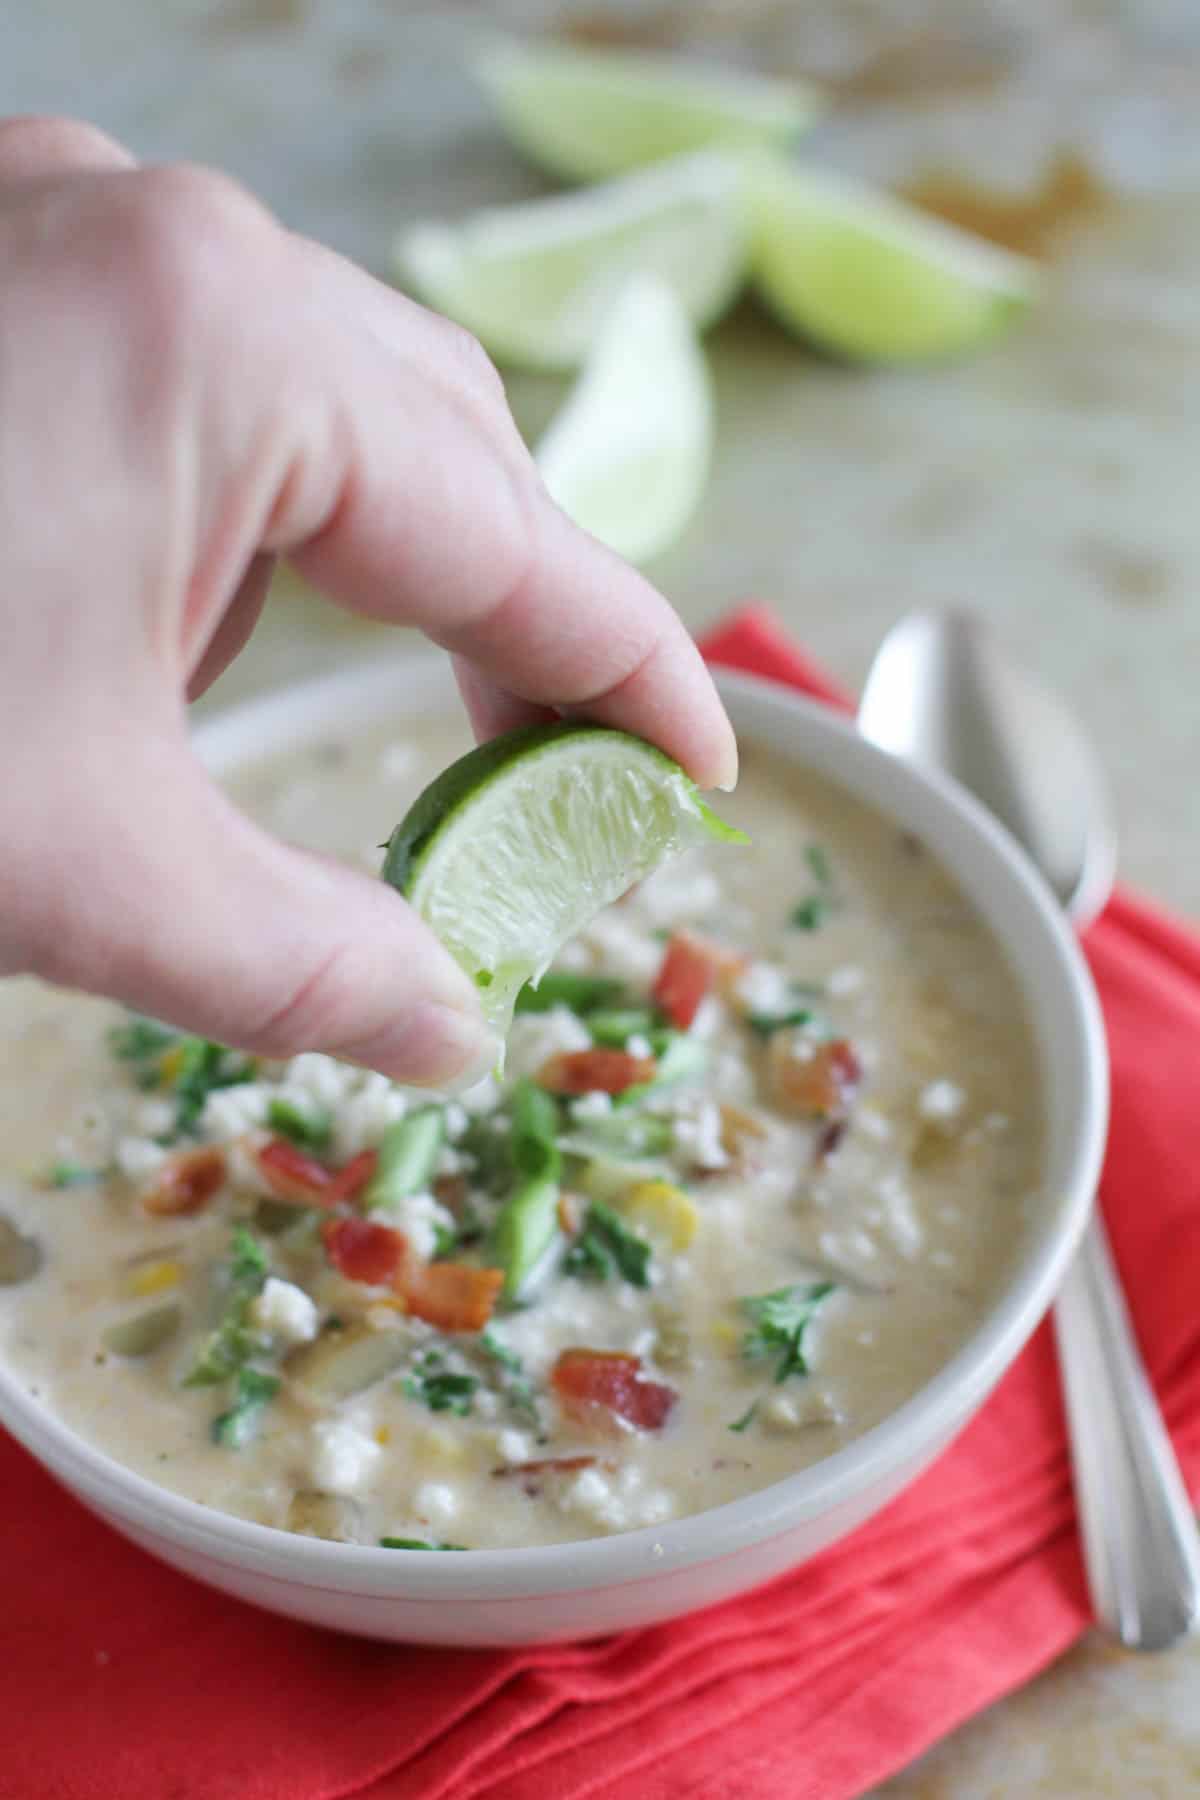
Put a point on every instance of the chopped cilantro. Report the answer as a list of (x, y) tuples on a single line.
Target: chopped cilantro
[(72, 1174), (253, 1390), (232, 1341), (445, 1241), (439, 1388), (779, 1321), (510, 1379), (606, 1246), (139, 1039), (747, 1417), (817, 858), (765, 1023), (310, 1130), (204, 1067), (395, 1543), (812, 913)]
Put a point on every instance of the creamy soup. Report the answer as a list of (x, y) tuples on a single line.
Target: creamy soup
[(764, 1144)]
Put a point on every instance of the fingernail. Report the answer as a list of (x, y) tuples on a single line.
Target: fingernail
[(430, 1045)]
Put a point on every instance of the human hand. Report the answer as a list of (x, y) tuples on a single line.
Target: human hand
[(187, 390)]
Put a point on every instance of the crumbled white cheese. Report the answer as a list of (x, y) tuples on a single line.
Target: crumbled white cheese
[(418, 1216), (535, 1037), (139, 1157), (899, 1220), (698, 1136), (363, 1116), (513, 1446), (456, 1120), (623, 949), (617, 1502), (343, 1456), (678, 892), (285, 1311), (764, 987), (708, 1020), (849, 979), (154, 1117), (484, 1097), (322, 1078), (941, 1101), (637, 1045), (435, 1502), (453, 1162), (798, 1409), (872, 1124), (596, 1105), (231, 1112)]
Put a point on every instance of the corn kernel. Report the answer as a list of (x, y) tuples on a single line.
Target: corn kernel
[(726, 1333), (155, 1277), (170, 1064), (664, 1208), (383, 1435)]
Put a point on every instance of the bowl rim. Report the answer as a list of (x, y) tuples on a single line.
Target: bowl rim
[(293, 714)]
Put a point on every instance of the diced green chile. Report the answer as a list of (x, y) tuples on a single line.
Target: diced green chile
[(407, 1157), (559, 987), (144, 1333)]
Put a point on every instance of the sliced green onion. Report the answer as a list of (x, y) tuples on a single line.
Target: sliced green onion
[(559, 987), (408, 1157)]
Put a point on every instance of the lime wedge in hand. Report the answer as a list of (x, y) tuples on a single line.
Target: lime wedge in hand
[(588, 114), (628, 454), (534, 281), (518, 844), (867, 276)]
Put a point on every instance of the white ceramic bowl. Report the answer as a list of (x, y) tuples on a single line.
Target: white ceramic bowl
[(606, 1584)]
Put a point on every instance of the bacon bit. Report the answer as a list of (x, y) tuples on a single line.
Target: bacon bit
[(301, 1179), (364, 1251), (820, 1086), (590, 1383), (737, 1127), (349, 1181), (690, 970), (186, 1183), (546, 1465), (572, 1209), (594, 1071), (451, 1191), (829, 1140), (453, 1296)]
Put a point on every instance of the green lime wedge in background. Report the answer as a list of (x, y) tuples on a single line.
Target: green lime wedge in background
[(628, 454), (518, 844), (867, 276), (587, 114), (534, 281)]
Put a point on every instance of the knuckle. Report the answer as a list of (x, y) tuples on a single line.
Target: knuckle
[(475, 368), (186, 236)]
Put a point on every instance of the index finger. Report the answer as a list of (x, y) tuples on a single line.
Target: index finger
[(441, 522)]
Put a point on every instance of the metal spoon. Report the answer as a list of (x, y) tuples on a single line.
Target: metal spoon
[(940, 693)]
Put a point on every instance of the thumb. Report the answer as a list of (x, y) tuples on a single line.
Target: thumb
[(170, 900)]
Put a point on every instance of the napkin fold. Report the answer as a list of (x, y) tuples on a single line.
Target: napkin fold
[(124, 1678)]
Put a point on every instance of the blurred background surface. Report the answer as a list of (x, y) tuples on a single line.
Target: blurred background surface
[(1050, 482)]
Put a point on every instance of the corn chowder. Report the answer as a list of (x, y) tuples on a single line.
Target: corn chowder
[(766, 1135)]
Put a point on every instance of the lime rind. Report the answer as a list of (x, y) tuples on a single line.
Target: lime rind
[(627, 456), (587, 115), (869, 277), (535, 281), (514, 847)]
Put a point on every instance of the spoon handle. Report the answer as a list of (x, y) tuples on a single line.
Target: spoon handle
[(1140, 1538)]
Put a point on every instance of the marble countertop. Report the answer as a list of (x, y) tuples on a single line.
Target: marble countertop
[(1051, 483)]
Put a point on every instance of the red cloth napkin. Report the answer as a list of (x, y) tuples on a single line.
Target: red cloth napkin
[(122, 1678)]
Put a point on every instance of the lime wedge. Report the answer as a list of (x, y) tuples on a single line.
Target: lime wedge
[(587, 114), (628, 454), (518, 844), (534, 282), (869, 277)]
